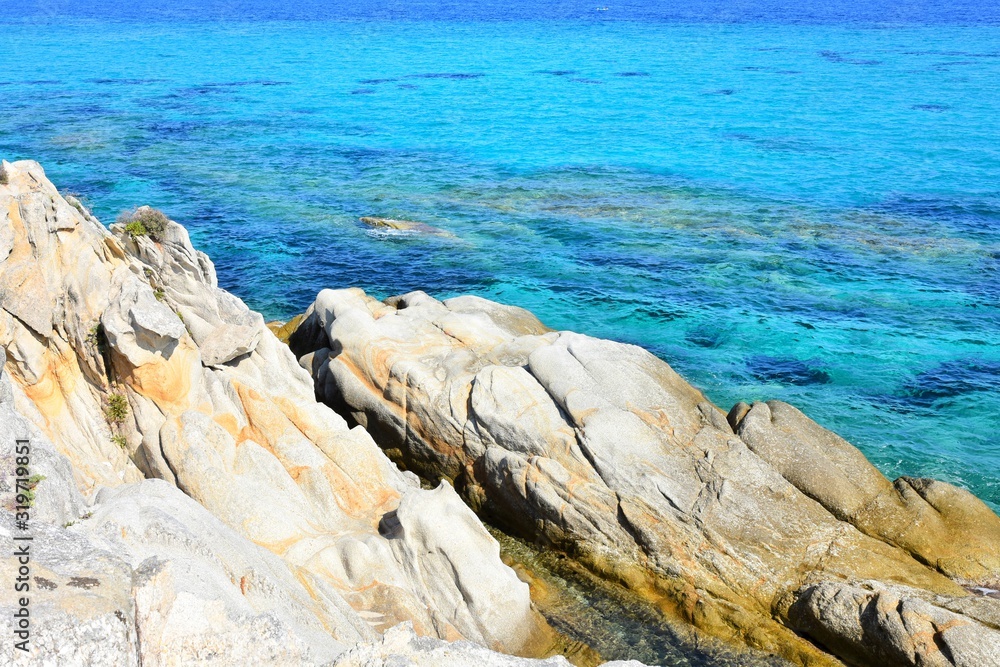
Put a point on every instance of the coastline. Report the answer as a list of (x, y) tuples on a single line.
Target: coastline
[(709, 228), (133, 371)]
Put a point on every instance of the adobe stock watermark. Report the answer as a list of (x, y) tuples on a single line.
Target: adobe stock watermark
[(25, 484)]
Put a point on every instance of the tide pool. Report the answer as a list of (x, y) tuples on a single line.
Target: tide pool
[(807, 211)]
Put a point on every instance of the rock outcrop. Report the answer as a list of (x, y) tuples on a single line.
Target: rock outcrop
[(148, 576), (192, 502), (759, 527), (870, 623), (188, 469)]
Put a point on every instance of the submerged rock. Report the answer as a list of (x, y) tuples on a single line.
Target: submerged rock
[(278, 535), (405, 226), (601, 450)]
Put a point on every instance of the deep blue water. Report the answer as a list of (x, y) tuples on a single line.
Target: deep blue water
[(798, 201)]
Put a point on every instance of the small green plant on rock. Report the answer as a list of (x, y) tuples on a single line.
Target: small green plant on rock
[(143, 221), (120, 440), (136, 229), (159, 294), (68, 524), (3, 176), (117, 409), (94, 335)]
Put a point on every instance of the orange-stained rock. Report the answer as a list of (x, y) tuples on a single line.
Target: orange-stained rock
[(130, 359)]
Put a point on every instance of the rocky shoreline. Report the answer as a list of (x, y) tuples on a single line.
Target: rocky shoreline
[(195, 503)]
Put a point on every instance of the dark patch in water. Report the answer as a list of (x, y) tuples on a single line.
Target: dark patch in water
[(785, 370), (704, 338), (963, 54), (835, 57), (446, 75), (632, 74), (174, 129), (658, 313), (753, 68), (770, 144), (586, 80), (931, 107), (213, 87), (951, 379), (942, 67), (375, 82), (91, 110), (241, 84), (41, 82), (805, 325), (557, 72), (126, 82), (363, 91), (204, 89), (788, 71), (977, 219), (722, 91), (407, 86)]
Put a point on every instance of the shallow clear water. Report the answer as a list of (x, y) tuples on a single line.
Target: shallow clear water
[(613, 623), (799, 204)]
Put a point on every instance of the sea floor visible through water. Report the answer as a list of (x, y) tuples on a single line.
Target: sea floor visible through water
[(802, 209), (611, 622)]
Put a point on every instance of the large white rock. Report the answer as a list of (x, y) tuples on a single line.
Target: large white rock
[(600, 449), (220, 408)]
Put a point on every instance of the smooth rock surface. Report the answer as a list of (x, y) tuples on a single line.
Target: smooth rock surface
[(148, 576), (871, 623), (601, 450), (941, 525)]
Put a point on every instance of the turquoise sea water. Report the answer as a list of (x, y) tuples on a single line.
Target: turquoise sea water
[(796, 205)]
